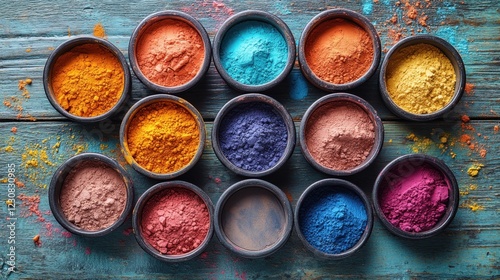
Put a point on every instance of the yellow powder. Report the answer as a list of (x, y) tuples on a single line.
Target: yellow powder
[(473, 171), (99, 31), (420, 79)]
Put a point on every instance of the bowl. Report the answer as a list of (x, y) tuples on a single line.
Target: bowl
[(333, 218), (173, 221), (162, 136), (254, 51), (83, 99), (90, 195), (253, 135), (416, 196), (333, 61), (170, 51), (253, 218), (422, 78), (341, 134)]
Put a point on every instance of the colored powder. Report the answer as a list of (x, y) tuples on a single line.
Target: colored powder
[(339, 51), (298, 86), (332, 219), (175, 221), (253, 219), (88, 80), (163, 137), (93, 196), (253, 136), (416, 200), (420, 79), (99, 30), (473, 171), (170, 52), (340, 135), (253, 52)]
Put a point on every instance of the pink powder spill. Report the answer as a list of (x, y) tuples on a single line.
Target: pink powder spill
[(416, 202), (175, 221)]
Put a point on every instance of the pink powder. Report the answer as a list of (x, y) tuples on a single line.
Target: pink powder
[(175, 221), (340, 135), (416, 202), (93, 196)]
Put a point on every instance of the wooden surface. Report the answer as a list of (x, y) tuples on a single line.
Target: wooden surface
[(469, 248)]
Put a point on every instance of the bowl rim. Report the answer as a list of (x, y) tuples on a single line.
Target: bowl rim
[(335, 183), (353, 17), (280, 197), (57, 182), (370, 111), (158, 188), (146, 102), (416, 160), (262, 16), (277, 108), (158, 17), (67, 46), (449, 51)]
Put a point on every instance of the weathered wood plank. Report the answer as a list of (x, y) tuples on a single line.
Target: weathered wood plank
[(468, 248), (27, 39)]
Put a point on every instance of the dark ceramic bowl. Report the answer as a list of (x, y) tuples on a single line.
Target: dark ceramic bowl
[(137, 219), (346, 97), (148, 101), (452, 55), (253, 218), (68, 46), (253, 15), (158, 17), (332, 185), (57, 183), (277, 108), (399, 169), (326, 16)]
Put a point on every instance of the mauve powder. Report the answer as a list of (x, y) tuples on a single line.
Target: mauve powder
[(93, 196), (340, 135)]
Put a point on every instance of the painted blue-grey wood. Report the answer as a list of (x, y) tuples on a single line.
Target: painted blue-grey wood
[(469, 248)]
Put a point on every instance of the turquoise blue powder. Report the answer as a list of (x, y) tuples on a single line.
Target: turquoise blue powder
[(367, 7), (298, 86), (332, 219), (253, 52)]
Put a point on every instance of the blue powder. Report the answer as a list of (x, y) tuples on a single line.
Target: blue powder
[(253, 136), (253, 52), (332, 221), (367, 7)]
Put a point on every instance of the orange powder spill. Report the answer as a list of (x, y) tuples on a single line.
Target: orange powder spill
[(99, 30), (469, 89), (32, 204)]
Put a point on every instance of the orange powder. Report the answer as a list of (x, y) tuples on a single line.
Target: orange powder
[(170, 52), (339, 51)]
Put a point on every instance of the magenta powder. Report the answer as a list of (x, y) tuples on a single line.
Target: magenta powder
[(417, 201), (175, 221)]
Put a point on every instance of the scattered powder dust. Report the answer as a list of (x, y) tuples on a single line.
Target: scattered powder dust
[(468, 189), (472, 205), (217, 10), (495, 128), (30, 206), (99, 30), (13, 130), (409, 17), (15, 102), (28, 50), (473, 170), (420, 144), (469, 89)]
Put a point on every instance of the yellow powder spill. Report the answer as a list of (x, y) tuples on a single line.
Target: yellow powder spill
[(473, 171), (99, 31), (473, 206)]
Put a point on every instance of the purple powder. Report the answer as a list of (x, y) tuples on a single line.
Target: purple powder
[(253, 136)]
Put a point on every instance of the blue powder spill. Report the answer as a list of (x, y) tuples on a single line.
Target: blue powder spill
[(332, 220), (253, 52), (451, 35), (298, 86), (253, 136), (367, 7)]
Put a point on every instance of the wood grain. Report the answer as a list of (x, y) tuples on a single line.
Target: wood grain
[(469, 248)]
